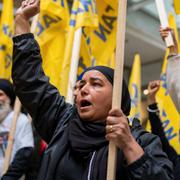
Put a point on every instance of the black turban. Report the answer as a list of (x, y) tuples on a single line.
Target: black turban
[(7, 88)]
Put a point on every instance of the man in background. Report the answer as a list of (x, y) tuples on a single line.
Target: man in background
[(23, 139)]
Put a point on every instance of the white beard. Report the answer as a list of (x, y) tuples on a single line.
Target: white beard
[(5, 108)]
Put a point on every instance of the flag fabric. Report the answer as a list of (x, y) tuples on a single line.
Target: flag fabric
[(85, 56), (172, 22), (102, 40), (51, 36), (168, 113), (113, 3), (135, 89), (83, 14), (6, 44), (177, 6)]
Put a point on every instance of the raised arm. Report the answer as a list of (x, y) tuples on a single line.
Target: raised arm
[(173, 69), (155, 121), (39, 97)]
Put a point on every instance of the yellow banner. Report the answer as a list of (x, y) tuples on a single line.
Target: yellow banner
[(172, 22), (135, 89), (51, 36), (85, 56), (6, 45), (102, 40), (53, 19), (83, 14), (113, 3), (177, 6), (168, 113)]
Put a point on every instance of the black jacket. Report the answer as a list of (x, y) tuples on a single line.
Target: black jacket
[(20, 164), (157, 128), (51, 115)]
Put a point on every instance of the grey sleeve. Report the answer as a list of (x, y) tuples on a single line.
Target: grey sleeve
[(173, 79)]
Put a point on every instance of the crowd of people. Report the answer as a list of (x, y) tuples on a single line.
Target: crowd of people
[(78, 135)]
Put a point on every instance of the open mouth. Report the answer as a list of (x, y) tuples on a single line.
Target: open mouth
[(85, 103)]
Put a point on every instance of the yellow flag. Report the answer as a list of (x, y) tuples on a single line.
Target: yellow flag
[(6, 45), (83, 14), (113, 3), (135, 89), (85, 56), (51, 36), (102, 40), (172, 22), (177, 6), (168, 113)]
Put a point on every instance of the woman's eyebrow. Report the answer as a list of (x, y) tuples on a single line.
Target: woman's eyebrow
[(96, 79), (82, 82)]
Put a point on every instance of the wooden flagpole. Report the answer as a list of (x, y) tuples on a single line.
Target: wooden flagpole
[(118, 78), (164, 21), (74, 65), (17, 109)]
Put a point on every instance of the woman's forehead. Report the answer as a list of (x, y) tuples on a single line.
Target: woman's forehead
[(94, 74)]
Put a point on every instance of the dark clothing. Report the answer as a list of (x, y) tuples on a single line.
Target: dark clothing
[(157, 128), (76, 149), (19, 165), (35, 161)]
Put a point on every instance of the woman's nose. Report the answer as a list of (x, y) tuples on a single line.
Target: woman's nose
[(84, 90)]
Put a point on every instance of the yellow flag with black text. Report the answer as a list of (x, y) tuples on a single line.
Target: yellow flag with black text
[(6, 44), (177, 6), (51, 36), (83, 14), (102, 41), (113, 3), (173, 25), (135, 89), (168, 113)]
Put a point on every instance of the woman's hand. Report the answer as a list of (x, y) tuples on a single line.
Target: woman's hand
[(28, 9), (164, 32), (118, 131)]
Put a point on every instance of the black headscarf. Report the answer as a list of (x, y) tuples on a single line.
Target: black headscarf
[(7, 87), (87, 139), (109, 74)]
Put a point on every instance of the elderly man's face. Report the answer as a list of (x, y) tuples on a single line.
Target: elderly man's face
[(4, 105), (3, 97), (94, 98)]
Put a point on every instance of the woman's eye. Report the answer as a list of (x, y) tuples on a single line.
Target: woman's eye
[(81, 86), (96, 84)]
